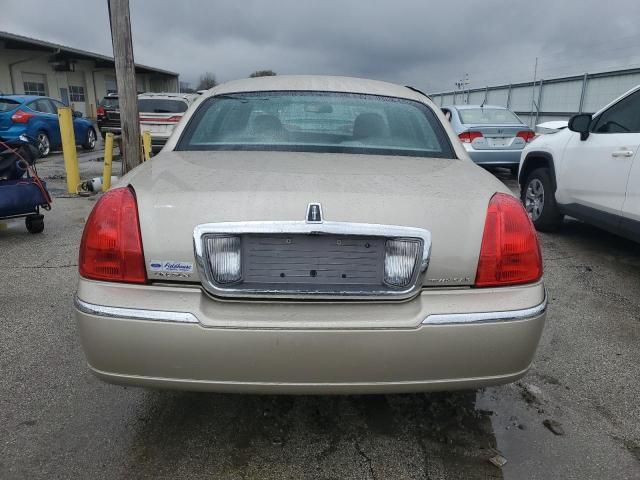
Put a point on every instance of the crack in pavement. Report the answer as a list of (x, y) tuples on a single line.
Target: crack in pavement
[(366, 457)]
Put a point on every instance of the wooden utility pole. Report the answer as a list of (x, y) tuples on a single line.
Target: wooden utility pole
[(120, 20)]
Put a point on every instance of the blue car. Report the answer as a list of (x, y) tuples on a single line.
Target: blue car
[(37, 117)]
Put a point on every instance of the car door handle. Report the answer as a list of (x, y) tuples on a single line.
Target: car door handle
[(622, 153)]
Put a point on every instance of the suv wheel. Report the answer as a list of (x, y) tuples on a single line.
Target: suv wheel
[(539, 201)]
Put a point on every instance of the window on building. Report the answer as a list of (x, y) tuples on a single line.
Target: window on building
[(110, 84), (34, 84), (34, 88), (76, 93)]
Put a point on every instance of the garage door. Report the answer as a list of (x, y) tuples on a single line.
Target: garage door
[(77, 93)]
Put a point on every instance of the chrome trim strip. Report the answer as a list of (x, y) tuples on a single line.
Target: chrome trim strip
[(133, 313), (487, 317), (304, 228)]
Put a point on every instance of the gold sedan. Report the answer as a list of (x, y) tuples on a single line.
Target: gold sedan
[(310, 235)]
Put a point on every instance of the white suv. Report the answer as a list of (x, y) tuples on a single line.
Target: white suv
[(160, 113), (590, 171)]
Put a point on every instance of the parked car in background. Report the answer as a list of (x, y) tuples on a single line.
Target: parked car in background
[(552, 126), (37, 117), (590, 170), (492, 136), (108, 115), (160, 112), (307, 234)]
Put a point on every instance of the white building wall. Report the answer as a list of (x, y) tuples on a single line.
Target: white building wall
[(498, 97), (561, 96), (16, 65), (602, 90)]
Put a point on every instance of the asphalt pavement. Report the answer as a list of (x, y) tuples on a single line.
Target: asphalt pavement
[(576, 415)]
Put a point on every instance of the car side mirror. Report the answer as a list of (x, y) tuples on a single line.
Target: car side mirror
[(77, 114), (580, 123)]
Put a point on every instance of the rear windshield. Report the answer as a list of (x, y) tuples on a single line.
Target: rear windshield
[(6, 104), (483, 116), (316, 122), (108, 102), (161, 105)]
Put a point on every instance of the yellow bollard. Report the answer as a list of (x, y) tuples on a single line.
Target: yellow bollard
[(108, 159), (146, 145), (65, 117)]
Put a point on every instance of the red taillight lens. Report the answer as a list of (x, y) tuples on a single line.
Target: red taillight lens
[(526, 135), (111, 247), (510, 253), (468, 137), (175, 118), (100, 111), (21, 116)]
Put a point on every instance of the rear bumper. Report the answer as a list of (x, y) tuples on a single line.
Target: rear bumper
[(506, 158), (109, 129), (158, 142), (14, 131), (443, 351)]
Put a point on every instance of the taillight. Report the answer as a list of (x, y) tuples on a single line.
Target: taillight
[(510, 253), (175, 118), (100, 111), (468, 137), (111, 246), (21, 116), (526, 135)]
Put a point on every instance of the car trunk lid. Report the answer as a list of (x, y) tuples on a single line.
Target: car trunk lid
[(498, 137), (179, 190)]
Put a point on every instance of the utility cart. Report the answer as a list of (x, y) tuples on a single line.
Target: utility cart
[(22, 193)]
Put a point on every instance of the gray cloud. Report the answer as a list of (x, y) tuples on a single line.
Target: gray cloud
[(405, 41)]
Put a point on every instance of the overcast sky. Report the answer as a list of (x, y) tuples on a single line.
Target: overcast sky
[(423, 43)]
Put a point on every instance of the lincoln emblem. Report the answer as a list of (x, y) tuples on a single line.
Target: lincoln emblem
[(314, 213)]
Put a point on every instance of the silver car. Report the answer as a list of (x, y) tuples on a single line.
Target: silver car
[(310, 234), (492, 136)]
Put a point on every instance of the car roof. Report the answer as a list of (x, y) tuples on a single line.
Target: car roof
[(467, 107), (22, 98), (171, 95), (319, 83)]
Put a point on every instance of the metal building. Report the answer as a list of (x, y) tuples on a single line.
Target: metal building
[(549, 99), (76, 77)]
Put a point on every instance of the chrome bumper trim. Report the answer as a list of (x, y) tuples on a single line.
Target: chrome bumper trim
[(487, 317), (185, 317), (134, 313)]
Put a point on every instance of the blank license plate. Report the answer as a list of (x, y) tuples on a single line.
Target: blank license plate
[(499, 142)]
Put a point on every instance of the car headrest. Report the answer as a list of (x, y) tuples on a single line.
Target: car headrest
[(369, 125)]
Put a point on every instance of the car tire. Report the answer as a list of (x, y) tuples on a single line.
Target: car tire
[(34, 223), (540, 202), (44, 144), (90, 140)]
